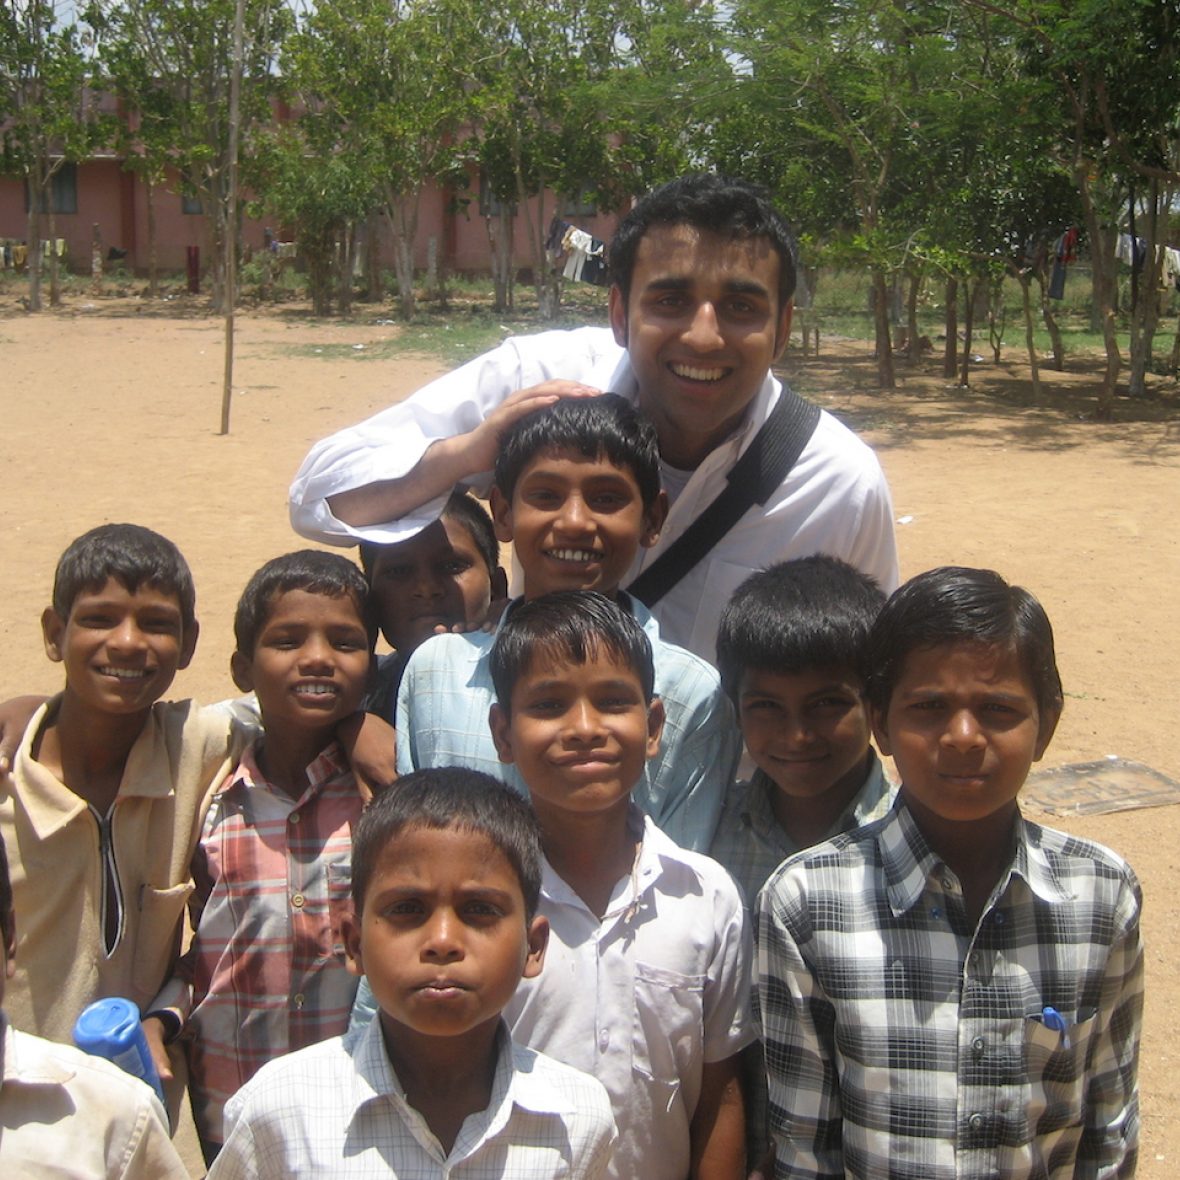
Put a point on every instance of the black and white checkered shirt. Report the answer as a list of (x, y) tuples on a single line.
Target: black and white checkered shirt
[(901, 1043)]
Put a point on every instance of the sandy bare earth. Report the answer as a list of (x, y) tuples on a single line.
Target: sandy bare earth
[(114, 417)]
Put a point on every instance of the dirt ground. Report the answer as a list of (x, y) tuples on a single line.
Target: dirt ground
[(112, 415)]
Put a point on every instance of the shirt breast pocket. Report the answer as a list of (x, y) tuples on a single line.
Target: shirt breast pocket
[(669, 1023), (1055, 1056)]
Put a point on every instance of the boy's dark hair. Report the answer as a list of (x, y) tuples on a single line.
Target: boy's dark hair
[(720, 205), (450, 797), (470, 513), (954, 604), (312, 570), (571, 626), (607, 426), (795, 616), (134, 557), (5, 898)]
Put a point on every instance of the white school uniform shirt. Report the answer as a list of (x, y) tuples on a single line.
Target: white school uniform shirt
[(834, 500), (337, 1109), (644, 997)]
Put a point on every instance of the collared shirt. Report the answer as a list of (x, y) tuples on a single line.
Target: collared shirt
[(65, 1113), (442, 720), (751, 843), (902, 1042), (56, 861), (645, 996), (834, 500), (266, 967), (338, 1109)]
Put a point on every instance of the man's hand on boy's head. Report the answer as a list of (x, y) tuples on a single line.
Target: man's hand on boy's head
[(482, 445), (15, 715), (370, 744)]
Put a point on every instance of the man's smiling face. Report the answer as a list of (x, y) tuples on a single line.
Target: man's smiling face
[(702, 325)]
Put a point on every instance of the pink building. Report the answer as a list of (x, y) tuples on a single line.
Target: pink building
[(101, 192)]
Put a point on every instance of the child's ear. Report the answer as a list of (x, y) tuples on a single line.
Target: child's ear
[(653, 520), (655, 726), (498, 722), (1046, 728), (188, 644), (538, 934), (501, 508), (350, 932), (499, 583), (52, 628), (880, 736), (241, 670)]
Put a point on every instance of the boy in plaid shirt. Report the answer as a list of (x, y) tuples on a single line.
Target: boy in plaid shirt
[(266, 972), (954, 991)]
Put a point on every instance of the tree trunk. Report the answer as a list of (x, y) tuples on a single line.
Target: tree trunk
[(881, 317), (1050, 320), (376, 288), (54, 270), (1102, 271), (403, 220), (153, 263), (1146, 310), (34, 255), (500, 227), (1024, 278), (1174, 364), (968, 326), (950, 359), (347, 263), (911, 315), (997, 319)]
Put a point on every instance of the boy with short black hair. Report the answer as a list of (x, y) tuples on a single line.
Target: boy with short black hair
[(954, 989), (791, 650), (647, 979), (577, 492), (108, 783), (64, 1112), (265, 973), (441, 579), (446, 877)]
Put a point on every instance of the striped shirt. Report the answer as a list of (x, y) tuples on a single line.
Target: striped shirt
[(901, 1042), (266, 967)]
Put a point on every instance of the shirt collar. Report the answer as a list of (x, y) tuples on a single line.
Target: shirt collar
[(328, 764), (758, 814), (19, 1066), (909, 861)]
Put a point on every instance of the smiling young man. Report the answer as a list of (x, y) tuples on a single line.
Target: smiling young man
[(703, 274)]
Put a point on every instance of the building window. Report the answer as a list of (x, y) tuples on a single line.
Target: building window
[(191, 204), (63, 191)]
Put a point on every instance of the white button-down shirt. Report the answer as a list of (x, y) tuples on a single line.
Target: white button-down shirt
[(835, 499), (337, 1109)]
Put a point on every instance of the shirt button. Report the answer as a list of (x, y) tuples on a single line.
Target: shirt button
[(948, 884), (978, 1045), (294, 817), (298, 1001), (999, 918), (297, 900), (603, 1040), (975, 1122)]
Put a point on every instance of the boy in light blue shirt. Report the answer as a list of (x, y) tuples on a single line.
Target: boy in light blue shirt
[(577, 492)]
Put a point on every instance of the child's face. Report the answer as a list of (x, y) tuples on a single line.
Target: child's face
[(575, 523), (964, 728), (310, 663), (579, 734), (121, 648), (444, 937), (809, 731), (437, 579)]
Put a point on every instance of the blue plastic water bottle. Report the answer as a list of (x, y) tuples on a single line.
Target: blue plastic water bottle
[(111, 1029)]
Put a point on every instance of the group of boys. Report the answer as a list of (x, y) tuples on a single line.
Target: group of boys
[(939, 987)]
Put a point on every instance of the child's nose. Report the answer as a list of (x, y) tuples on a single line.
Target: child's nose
[(574, 514), (126, 636), (442, 943), (584, 720), (963, 731)]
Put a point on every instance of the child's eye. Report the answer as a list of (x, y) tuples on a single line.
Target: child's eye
[(758, 706), (454, 568), (480, 909), (395, 573)]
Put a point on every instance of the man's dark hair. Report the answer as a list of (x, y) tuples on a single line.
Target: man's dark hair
[(569, 627), (798, 616), (450, 797), (312, 570), (470, 513), (954, 604), (604, 427), (721, 205), (134, 557)]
